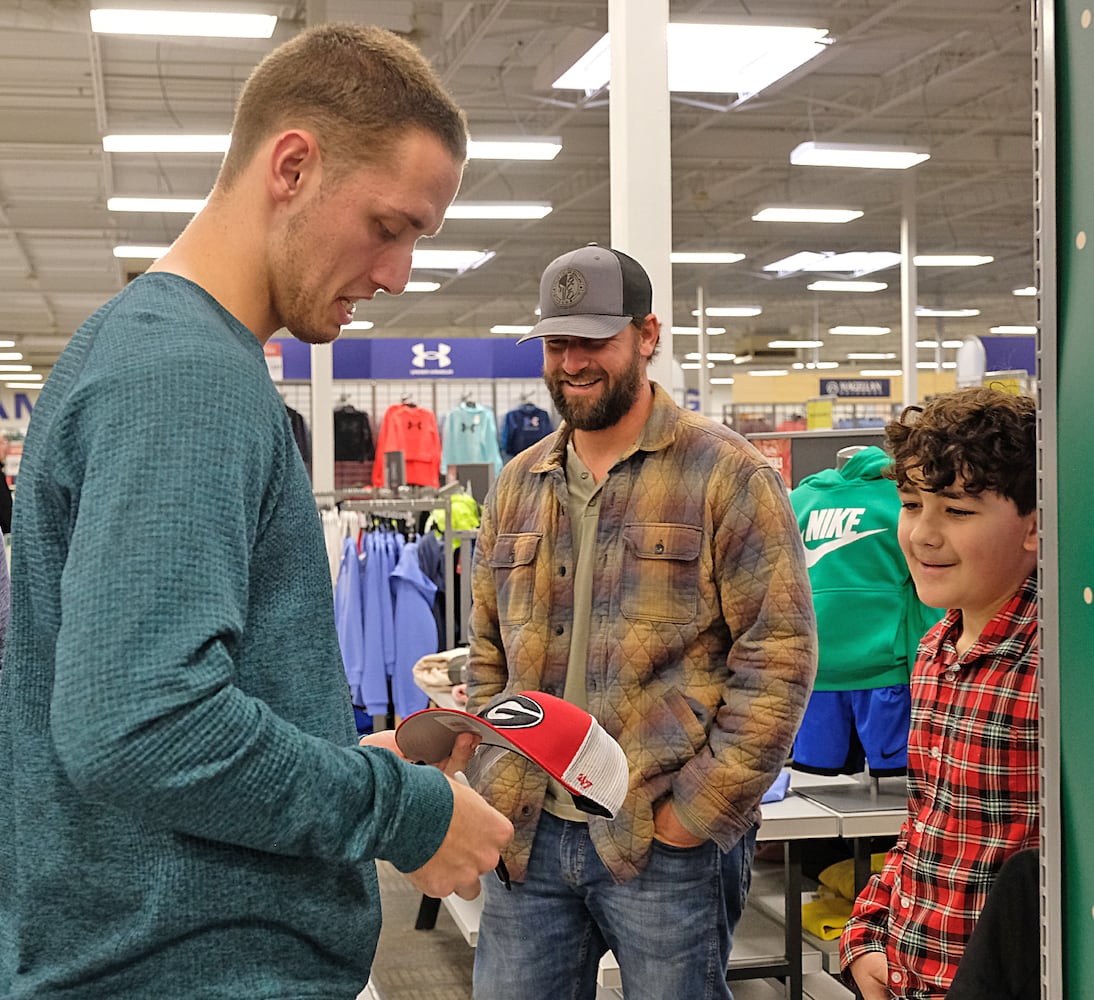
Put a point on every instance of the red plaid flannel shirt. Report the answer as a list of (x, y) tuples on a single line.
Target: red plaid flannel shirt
[(972, 798)]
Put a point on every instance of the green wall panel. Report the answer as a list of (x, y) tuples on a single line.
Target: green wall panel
[(1075, 478)]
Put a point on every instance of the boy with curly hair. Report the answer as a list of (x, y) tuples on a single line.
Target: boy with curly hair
[(965, 467)]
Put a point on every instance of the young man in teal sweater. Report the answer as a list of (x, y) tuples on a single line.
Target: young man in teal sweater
[(184, 810)]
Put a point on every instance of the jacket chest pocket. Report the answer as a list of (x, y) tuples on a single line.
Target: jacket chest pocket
[(514, 564), (661, 572)]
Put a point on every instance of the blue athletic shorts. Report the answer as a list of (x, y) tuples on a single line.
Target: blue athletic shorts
[(842, 730)]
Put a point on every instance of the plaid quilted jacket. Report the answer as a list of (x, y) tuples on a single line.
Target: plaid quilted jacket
[(702, 646)]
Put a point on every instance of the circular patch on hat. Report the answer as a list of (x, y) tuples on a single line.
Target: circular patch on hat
[(569, 288), (517, 712)]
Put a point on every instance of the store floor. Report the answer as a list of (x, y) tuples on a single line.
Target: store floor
[(416, 965)]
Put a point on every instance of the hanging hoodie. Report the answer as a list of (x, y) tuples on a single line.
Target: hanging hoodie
[(412, 594), (470, 435), (869, 619), (412, 430), (348, 618), (523, 427)]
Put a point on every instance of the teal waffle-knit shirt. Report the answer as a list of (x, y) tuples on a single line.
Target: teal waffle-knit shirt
[(183, 810)]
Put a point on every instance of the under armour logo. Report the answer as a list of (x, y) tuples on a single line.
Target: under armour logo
[(440, 355), (517, 712)]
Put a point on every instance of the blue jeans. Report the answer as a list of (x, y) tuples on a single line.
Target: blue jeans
[(670, 928)]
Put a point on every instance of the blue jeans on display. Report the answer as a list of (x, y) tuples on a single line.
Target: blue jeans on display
[(670, 928)]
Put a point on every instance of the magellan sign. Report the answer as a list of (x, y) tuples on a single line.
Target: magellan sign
[(857, 387)]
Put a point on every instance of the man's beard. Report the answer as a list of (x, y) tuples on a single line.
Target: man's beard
[(615, 401), (294, 302)]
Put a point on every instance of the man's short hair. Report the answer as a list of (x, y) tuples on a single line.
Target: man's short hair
[(985, 436), (358, 88)]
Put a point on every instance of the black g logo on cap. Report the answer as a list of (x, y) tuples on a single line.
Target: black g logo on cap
[(517, 712)]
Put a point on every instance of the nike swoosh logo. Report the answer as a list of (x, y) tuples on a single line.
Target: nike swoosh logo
[(890, 756), (814, 556)]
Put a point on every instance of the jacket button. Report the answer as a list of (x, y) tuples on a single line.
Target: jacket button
[(659, 548), (559, 630), (562, 571)]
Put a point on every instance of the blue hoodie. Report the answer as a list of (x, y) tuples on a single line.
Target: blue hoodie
[(412, 594)]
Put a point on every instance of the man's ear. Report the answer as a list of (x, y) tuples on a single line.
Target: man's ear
[(293, 164), (650, 335)]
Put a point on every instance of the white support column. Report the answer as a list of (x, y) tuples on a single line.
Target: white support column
[(322, 418), (909, 293), (704, 372), (641, 175)]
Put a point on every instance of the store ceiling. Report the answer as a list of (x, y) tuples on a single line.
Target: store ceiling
[(952, 76)]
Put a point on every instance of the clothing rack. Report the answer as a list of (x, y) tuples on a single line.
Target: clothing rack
[(455, 589)]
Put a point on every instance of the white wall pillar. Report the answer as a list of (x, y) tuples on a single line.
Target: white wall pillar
[(909, 293), (641, 174), (322, 418)]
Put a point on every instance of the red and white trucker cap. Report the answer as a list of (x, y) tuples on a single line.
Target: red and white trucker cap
[(564, 740)]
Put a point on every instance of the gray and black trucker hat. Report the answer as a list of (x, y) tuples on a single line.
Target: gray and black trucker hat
[(592, 292)]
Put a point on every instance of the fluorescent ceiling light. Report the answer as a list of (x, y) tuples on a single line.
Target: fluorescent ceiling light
[(203, 24), (509, 328), (591, 71), (695, 366), (721, 381), (824, 285), (742, 359), (791, 214), (857, 262), (141, 252), (701, 257), (15, 368), (880, 372), (739, 59), (951, 260), (784, 344), (995, 329), (451, 260), (769, 372), (187, 206), (813, 365), (730, 311), (513, 149), (934, 365), (953, 313), (930, 344), (853, 154), (695, 356), (859, 331), (868, 356), (23, 385), (166, 143), (11, 356), (1028, 290), (7, 343), (693, 331), (422, 286), (359, 324), (497, 210)]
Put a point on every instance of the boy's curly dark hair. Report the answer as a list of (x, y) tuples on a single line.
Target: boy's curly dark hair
[(985, 436)]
